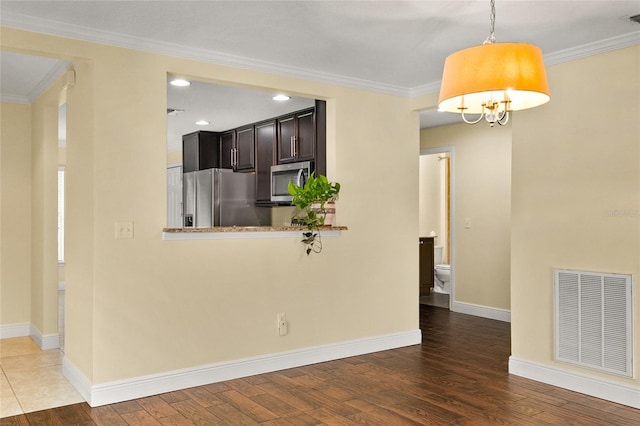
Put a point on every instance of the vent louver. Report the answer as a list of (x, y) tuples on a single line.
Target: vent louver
[(593, 320)]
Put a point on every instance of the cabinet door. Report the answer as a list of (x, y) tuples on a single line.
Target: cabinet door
[(208, 150), (199, 151), (245, 149), (190, 152), (265, 158), (426, 265), (305, 136), (227, 145), (286, 132)]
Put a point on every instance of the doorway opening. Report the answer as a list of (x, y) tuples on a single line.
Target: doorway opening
[(436, 226), (62, 144)]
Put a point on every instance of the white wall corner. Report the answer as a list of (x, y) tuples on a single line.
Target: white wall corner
[(481, 311), (140, 387), (15, 330), (600, 388), (44, 342)]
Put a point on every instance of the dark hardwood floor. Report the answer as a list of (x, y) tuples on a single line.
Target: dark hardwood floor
[(458, 376)]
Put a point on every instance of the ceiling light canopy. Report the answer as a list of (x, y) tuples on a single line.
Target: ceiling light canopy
[(493, 79), (202, 123)]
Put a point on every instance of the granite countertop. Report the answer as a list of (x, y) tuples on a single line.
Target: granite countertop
[(251, 229)]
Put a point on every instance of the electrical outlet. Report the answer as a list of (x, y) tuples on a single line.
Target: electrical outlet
[(283, 325), (467, 223), (124, 230)]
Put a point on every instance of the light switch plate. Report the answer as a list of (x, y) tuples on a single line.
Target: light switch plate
[(124, 230)]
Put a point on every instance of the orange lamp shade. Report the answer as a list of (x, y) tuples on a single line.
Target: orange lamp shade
[(499, 72)]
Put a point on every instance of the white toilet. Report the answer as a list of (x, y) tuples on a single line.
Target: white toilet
[(442, 275)]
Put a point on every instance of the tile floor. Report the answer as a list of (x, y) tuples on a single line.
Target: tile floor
[(32, 379)]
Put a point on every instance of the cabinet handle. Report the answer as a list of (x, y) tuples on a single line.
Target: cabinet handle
[(231, 157), (293, 147)]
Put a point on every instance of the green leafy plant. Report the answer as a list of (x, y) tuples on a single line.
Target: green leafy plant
[(310, 199)]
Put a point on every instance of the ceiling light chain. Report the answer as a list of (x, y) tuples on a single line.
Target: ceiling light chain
[(491, 38)]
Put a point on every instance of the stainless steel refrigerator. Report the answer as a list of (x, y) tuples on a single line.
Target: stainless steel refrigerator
[(220, 197)]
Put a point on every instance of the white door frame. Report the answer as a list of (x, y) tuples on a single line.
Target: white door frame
[(451, 151)]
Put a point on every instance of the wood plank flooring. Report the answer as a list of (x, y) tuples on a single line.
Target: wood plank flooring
[(457, 376)]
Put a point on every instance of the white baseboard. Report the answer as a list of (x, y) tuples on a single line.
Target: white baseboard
[(76, 378), (44, 342), (600, 388), (139, 387), (14, 330), (481, 311)]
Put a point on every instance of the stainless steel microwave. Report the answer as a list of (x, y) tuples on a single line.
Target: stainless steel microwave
[(282, 174)]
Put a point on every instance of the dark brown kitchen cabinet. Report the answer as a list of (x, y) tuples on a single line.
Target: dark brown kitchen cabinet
[(245, 149), (227, 145), (297, 136), (426, 265), (200, 151), (265, 138), (237, 149)]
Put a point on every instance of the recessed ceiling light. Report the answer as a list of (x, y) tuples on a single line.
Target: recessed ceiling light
[(281, 98), (180, 82), (202, 123)]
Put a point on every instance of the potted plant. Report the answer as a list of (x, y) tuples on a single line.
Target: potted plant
[(315, 201)]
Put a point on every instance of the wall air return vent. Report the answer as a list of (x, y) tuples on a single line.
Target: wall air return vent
[(593, 320)]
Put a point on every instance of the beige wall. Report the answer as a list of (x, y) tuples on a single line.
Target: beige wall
[(482, 194), (575, 161), (174, 158), (15, 214), (179, 304)]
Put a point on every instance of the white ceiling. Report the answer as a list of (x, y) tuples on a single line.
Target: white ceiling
[(396, 47)]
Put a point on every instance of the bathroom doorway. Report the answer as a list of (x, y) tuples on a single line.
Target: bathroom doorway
[(436, 212)]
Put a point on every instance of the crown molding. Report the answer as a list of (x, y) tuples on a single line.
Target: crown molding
[(54, 74), (591, 49), (171, 49), (425, 89), (15, 99)]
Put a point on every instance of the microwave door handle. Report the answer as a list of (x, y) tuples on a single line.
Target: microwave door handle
[(301, 178)]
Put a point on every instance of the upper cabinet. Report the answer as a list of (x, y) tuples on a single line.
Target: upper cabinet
[(227, 147), (297, 136), (245, 149), (237, 149), (265, 137), (200, 150)]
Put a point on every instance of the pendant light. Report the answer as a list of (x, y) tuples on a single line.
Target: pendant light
[(493, 80)]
